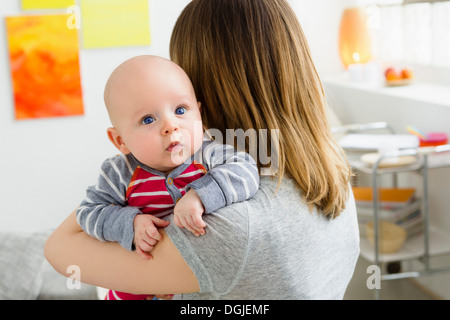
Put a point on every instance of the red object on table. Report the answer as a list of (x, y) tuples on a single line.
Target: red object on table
[(434, 139)]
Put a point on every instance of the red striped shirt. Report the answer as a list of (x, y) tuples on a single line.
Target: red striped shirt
[(147, 191)]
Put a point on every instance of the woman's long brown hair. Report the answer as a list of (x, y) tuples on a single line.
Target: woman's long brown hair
[(251, 68)]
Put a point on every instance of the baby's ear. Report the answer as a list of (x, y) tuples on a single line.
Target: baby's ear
[(117, 141)]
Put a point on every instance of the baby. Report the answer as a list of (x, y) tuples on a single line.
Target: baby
[(165, 165)]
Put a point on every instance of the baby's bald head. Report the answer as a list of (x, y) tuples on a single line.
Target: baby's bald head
[(136, 74)]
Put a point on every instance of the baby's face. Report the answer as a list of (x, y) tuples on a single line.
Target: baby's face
[(158, 116)]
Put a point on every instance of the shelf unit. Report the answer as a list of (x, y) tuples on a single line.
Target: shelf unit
[(432, 241), (435, 240)]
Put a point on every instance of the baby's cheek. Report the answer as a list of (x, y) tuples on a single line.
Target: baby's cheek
[(197, 139)]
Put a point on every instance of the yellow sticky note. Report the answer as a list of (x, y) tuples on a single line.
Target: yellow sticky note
[(46, 4), (115, 23)]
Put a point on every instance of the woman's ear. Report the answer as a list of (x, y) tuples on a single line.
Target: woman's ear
[(117, 141), (199, 105)]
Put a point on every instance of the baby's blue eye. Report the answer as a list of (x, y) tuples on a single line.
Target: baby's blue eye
[(148, 120), (180, 111)]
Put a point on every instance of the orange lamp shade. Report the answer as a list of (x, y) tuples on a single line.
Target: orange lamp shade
[(355, 45)]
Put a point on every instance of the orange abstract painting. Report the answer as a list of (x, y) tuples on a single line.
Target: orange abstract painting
[(44, 66)]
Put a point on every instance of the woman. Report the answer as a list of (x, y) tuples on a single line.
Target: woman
[(298, 237)]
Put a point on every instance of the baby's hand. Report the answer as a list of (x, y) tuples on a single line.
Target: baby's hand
[(146, 234), (188, 213)]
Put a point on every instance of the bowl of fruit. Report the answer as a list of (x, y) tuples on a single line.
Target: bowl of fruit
[(398, 77)]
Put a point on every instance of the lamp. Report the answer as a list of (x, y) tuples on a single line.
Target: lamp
[(354, 38)]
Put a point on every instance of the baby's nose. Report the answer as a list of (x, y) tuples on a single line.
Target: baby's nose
[(170, 126)]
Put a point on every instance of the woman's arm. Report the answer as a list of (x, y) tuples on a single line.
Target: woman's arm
[(108, 265)]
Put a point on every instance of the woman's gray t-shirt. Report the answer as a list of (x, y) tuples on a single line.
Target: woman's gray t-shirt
[(271, 247)]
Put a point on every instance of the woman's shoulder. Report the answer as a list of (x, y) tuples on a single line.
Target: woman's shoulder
[(274, 199), (273, 196), (269, 195)]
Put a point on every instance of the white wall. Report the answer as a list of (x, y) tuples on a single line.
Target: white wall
[(46, 164), (320, 22)]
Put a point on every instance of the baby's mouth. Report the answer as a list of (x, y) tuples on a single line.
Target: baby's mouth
[(174, 147)]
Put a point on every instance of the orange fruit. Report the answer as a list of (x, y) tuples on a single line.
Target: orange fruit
[(407, 74)]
